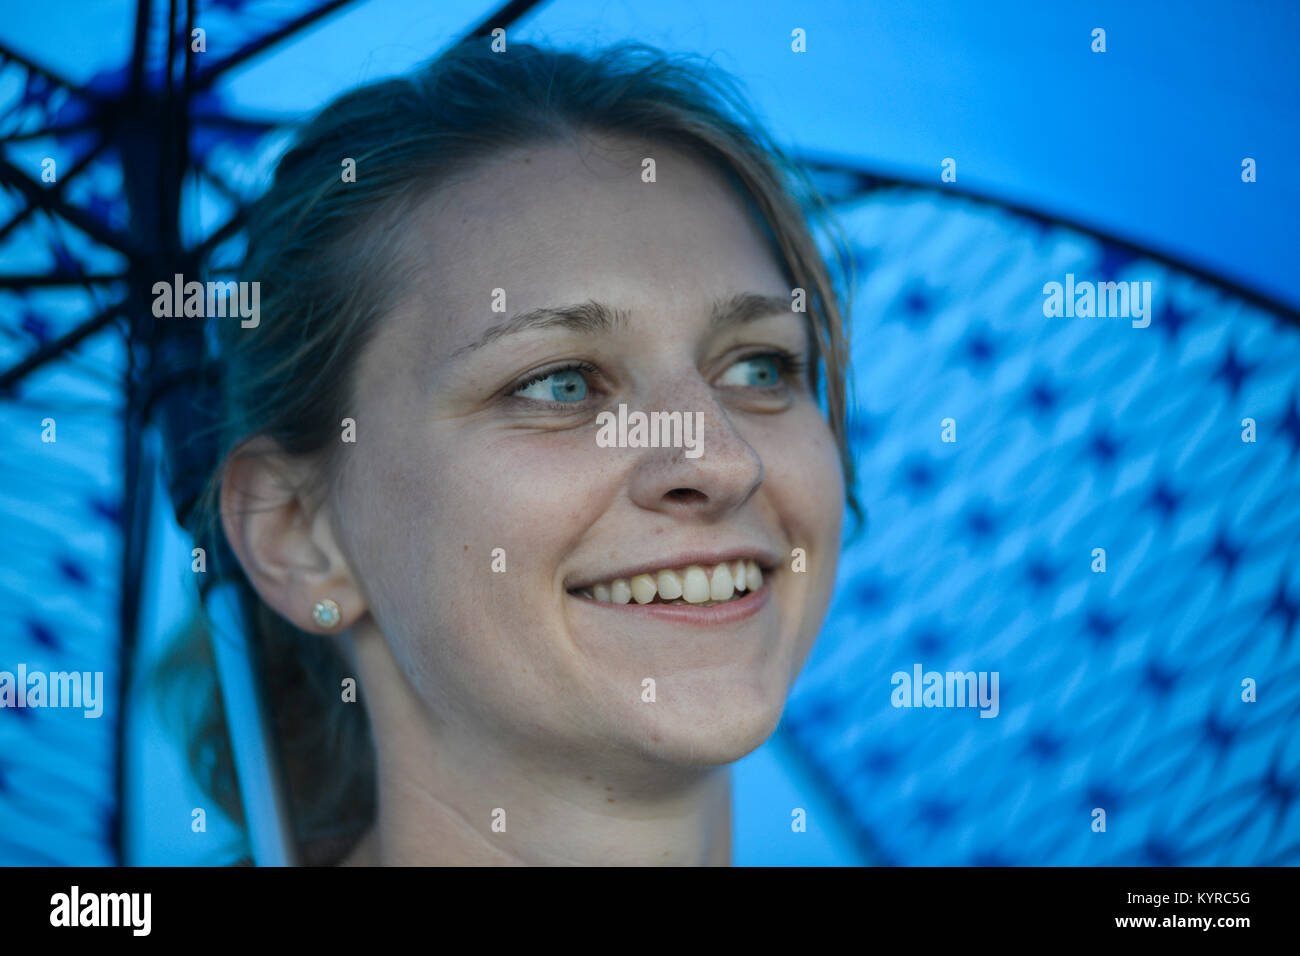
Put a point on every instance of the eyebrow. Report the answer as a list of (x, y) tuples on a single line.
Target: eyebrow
[(595, 318)]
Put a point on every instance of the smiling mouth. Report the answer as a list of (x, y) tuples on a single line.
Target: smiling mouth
[(693, 586)]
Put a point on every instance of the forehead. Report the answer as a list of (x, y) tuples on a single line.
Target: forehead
[(564, 222)]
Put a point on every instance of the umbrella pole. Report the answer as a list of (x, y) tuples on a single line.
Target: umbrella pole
[(261, 787)]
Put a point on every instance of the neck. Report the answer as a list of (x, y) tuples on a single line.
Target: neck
[(518, 818), (448, 799)]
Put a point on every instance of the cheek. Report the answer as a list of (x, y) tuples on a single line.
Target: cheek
[(804, 478), (465, 534), (530, 494), (806, 487), (448, 498)]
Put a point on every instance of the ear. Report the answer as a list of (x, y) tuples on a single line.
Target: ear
[(284, 542)]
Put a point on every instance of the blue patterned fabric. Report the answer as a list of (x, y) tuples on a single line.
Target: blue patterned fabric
[(60, 578), (1120, 690)]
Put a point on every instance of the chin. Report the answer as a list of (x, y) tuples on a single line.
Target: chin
[(706, 727)]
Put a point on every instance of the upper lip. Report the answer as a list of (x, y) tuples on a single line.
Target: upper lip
[(765, 559)]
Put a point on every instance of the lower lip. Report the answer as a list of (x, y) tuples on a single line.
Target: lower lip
[(714, 616)]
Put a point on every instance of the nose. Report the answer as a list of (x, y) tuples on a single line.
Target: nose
[(725, 475)]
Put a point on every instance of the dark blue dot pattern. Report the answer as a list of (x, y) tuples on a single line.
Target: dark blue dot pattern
[(60, 577), (1119, 691)]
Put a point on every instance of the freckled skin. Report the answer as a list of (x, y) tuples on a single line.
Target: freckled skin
[(445, 470)]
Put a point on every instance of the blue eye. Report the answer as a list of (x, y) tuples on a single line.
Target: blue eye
[(757, 371), (567, 385)]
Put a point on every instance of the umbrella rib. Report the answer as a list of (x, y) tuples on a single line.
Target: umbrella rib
[(51, 202), (53, 349), (219, 184), (49, 280), (206, 77), (868, 181), (56, 189), (220, 235), (245, 123), (67, 129), (8, 53), (503, 17), (143, 10)]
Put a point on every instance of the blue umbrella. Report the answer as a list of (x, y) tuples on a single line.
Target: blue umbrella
[(1120, 690)]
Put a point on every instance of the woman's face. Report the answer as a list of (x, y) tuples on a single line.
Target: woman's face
[(477, 432)]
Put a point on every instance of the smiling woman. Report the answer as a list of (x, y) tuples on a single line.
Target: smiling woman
[(560, 644)]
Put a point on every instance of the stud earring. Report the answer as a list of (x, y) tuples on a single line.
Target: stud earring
[(326, 613)]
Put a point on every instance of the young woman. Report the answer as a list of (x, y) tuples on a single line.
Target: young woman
[(559, 643)]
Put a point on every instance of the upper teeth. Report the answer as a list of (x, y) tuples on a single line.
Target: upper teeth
[(694, 584)]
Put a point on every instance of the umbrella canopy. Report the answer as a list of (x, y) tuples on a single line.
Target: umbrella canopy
[(128, 154)]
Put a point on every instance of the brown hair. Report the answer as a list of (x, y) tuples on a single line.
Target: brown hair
[(322, 250)]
